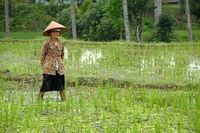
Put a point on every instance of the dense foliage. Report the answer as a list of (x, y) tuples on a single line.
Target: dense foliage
[(92, 24), (195, 4), (35, 17), (95, 21), (138, 10), (2, 17), (164, 28)]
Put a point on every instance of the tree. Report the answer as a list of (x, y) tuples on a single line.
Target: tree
[(195, 8), (73, 16), (83, 7), (115, 12), (164, 28), (189, 26), (138, 9), (157, 10), (95, 24), (34, 18), (7, 17), (64, 17), (31, 1), (126, 20)]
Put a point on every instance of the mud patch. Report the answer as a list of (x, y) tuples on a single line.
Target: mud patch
[(33, 80), (21, 81)]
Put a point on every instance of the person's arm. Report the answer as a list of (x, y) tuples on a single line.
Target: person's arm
[(63, 52), (43, 53)]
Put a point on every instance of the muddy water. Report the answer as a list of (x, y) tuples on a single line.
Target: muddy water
[(30, 96), (164, 62), (89, 57), (171, 64)]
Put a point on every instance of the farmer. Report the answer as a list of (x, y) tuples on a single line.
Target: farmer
[(51, 59)]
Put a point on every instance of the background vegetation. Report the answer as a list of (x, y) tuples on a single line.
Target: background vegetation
[(98, 21)]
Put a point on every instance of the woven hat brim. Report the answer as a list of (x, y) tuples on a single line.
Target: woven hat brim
[(54, 25), (47, 32)]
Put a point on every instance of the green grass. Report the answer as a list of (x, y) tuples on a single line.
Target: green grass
[(105, 106), (25, 36), (175, 63), (179, 35), (102, 109)]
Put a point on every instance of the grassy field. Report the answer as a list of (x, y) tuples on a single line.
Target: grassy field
[(162, 63), (25, 36), (178, 35), (110, 87)]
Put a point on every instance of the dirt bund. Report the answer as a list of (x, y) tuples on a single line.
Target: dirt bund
[(32, 80)]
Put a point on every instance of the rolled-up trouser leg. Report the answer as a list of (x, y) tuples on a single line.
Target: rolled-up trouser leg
[(62, 95), (41, 95)]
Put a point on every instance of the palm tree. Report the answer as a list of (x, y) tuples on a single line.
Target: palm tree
[(126, 20), (7, 18), (158, 10), (73, 16), (82, 8), (189, 26)]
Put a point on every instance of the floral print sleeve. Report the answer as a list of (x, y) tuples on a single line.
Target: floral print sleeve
[(43, 52)]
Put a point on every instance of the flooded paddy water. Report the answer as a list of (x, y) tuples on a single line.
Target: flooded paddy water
[(109, 87)]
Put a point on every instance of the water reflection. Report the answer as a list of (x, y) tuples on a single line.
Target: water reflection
[(194, 65), (87, 57), (90, 57), (172, 61), (166, 64), (66, 53)]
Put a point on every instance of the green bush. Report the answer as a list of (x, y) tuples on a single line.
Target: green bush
[(164, 28), (2, 17), (2, 35)]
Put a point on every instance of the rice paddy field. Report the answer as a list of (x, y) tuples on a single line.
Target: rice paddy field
[(110, 87)]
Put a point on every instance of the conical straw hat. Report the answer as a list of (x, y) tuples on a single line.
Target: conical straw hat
[(54, 25)]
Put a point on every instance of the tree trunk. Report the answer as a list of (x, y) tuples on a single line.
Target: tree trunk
[(73, 15), (137, 32), (189, 26), (126, 20), (121, 34), (157, 10), (7, 18)]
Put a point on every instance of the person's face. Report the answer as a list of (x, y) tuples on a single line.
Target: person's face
[(55, 34)]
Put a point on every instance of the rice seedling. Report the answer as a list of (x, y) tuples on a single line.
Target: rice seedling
[(109, 88)]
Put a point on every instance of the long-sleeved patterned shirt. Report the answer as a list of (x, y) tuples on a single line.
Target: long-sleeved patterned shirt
[(50, 54)]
